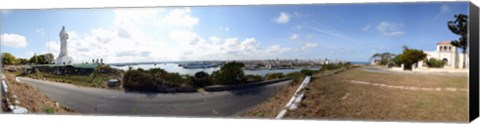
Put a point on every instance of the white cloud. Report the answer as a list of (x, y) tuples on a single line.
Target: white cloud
[(185, 36), (444, 9), (277, 49), (214, 39), (135, 14), (309, 45), (227, 28), (13, 40), (40, 31), (390, 29), (178, 17), (293, 37), (53, 47), (283, 18), (366, 28)]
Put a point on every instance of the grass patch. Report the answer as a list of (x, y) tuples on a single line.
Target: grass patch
[(323, 98), (49, 110), (408, 79), (92, 80)]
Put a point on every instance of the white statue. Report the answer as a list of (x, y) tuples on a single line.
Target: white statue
[(63, 41), (63, 58)]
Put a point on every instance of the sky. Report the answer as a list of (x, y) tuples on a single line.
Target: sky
[(351, 32)]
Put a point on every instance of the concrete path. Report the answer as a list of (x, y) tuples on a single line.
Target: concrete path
[(110, 102)]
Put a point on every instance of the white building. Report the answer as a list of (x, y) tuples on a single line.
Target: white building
[(448, 53)]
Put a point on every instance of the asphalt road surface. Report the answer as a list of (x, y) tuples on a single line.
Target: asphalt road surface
[(94, 101)]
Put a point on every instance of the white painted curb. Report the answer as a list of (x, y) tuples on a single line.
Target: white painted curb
[(15, 108), (296, 98)]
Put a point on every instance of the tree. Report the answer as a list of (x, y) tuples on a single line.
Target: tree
[(200, 79), (230, 73), (48, 58), (22, 61), (34, 59), (383, 58), (410, 57), (459, 27), (434, 63), (8, 59)]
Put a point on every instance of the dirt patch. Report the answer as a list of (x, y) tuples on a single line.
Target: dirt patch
[(325, 98), (32, 99)]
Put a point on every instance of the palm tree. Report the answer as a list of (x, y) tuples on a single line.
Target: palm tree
[(459, 27)]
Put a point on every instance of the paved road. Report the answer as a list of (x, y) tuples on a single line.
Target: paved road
[(110, 102)]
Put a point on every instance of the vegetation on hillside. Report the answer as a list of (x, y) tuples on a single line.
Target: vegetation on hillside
[(9, 59), (230, 73), (434, 63)]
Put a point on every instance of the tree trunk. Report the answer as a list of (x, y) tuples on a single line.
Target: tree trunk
[(464, 58)]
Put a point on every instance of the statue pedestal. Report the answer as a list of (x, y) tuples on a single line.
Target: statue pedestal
[(63, 60)]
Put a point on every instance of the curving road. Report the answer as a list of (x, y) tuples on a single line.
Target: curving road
[(110, 102)]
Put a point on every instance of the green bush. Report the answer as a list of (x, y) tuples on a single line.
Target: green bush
[(142, 80), (434, 63), (254, 78), (49, 110), (271, 76), (139, 80), (308, 72), (230, 73), (409, 57), (297, 77), (201, 79)]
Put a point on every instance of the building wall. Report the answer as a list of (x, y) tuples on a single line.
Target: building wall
[(455, 59)]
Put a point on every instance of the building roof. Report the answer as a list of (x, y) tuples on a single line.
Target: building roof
[(445, 43)]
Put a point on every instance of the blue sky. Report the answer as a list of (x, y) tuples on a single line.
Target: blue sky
[(350, 32)]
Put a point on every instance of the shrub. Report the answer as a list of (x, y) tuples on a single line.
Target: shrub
[(230, 73), (296, 77), (434, 63), (254, 78), (308, 72), (139, 80), (201, 79), (49, 110), (142, 80), (409, 57), (271, 76)]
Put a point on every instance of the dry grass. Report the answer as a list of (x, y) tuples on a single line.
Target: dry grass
[(323, 98), (407, 79), (32, 99), (272, 106)]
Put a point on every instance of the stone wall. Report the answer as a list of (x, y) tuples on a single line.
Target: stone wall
[(243, 86)]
